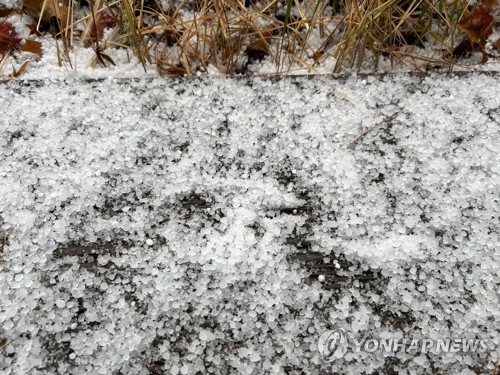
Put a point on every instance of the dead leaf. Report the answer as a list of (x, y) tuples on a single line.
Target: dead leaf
[(108, 58), (32, 46), (477, 25), (489, 5), (465, 47), (318, 55), (5, 12), (102, 58), (100, 19), (33, 30), (103, 21), (496, 45), (10, 40), (168, 70), (16, 73), (258, 48), (52, 9), (34, 9), (8, 37)]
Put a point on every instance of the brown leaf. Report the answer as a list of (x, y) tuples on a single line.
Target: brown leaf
[(318, 55), (52, 10), (34, 9), (259, 47), (496, 45), (169, 70), (9, 39), (5, 12), (33, 30), (477, 25), (32, 46), (489, 5)]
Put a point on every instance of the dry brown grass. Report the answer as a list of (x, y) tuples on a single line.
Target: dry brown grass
[(397, 29), (187, 37)]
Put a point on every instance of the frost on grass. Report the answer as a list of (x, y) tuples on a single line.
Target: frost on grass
[(222, 226)]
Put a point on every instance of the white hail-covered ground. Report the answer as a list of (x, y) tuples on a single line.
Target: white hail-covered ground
[(222, 225)]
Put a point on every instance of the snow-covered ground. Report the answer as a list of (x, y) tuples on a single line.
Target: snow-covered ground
[(223, 225)]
